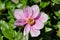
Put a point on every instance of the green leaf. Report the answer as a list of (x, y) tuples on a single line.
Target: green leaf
[(58, 25), (56, 1), (19, 5), (10, 12), (6, 30), (41, 38), (15, 1), (48, 29), (18, 36), (2, 5), (58, 33), (9, 5), (1, 37), (44, 4), (36, 1), (57, 13), (24, 3)]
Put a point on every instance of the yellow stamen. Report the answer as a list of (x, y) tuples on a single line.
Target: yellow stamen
[(30, 21)]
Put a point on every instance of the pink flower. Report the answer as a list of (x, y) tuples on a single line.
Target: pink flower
[(31, 18)]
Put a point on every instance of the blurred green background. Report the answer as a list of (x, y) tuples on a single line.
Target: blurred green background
[(8, 31)]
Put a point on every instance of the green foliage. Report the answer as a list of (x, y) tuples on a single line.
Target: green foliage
[(48, 29), (1, 37), (2, 5), (9, 5), (44, 4), (57, 14), (8, 32), (56, 1)]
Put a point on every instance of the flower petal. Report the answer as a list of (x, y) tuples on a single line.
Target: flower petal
[(28, 11), (34, 32), (38, 25), (19, 14), (26, 29), (44, 17), (20, 22), (35, 10)]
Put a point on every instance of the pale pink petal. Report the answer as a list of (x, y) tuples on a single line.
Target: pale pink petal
[(34, 32), (44, 17), (38, 25), (20, 22), (26, 29), (18, 13), (28, 11), (35, 10)]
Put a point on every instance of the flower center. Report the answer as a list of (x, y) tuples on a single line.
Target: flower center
[(30, 21)]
